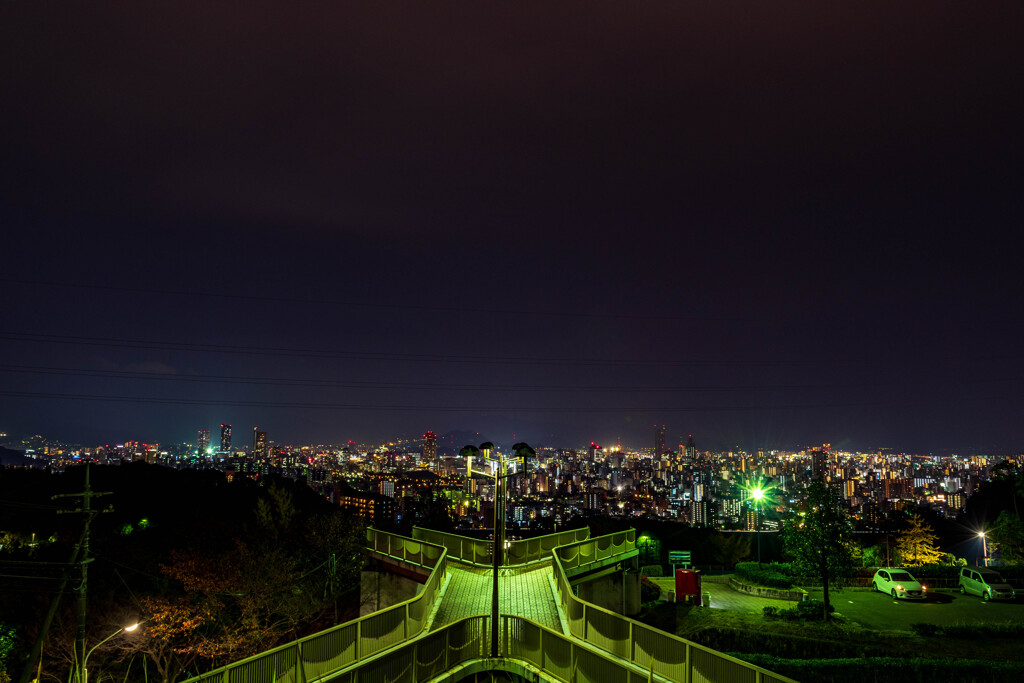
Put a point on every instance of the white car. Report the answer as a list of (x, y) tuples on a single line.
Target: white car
[(898, 583)]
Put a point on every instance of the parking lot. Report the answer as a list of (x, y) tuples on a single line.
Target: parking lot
[(877, 610), (945, 607)]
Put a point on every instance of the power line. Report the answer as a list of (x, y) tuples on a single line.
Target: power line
[(376, 305), (394, 356), (446, 386), (428, 408)]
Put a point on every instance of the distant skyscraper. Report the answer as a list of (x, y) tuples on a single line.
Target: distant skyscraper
[(259, 443), (225, 438), (204, 441), (429, 447), (691, 448), (659, 440), (818, 461)]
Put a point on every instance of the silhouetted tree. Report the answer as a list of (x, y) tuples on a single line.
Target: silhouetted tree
[(1007, 534), (817, 539)]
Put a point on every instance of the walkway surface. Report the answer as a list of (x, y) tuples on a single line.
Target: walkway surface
[(724, 597), (521, 592)]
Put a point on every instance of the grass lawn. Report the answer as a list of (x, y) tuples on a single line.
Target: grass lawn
[(744, 632)]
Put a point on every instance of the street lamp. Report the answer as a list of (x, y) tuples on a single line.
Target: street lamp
[(984, 547), (758, 494), (85, 660), (499, 473)]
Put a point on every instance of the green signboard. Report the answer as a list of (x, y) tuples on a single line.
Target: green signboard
[(679, 557)]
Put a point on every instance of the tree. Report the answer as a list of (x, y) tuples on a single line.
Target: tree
[(1013, 475), (916, 545), (817, 539), (873, 556), (173, 636), (1008, 536), (728, 549)]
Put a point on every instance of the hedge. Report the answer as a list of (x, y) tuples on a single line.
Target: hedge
[(889, 669), (774, 575), (969, 631)]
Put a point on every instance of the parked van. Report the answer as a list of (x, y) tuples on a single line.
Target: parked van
[(986, 583)]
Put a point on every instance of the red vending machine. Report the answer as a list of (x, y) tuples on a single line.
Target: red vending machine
[(687, 584)]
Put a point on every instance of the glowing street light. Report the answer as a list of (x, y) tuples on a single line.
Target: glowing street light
[(984, 547), (85, 660)]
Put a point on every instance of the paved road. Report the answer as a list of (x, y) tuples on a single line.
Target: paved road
[(724, 597)]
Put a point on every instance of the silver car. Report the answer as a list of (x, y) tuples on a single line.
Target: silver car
[(898, 583), (986, 583)]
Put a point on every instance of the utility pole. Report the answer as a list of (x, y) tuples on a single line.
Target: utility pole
[(83, 562), (37, 649), (500, 475)]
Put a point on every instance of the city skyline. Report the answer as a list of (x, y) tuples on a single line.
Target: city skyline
[(784, 226)]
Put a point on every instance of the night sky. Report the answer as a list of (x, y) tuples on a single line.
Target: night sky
[(766, 224)]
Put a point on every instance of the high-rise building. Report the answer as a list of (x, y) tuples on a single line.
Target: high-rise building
[(818, 461), (429, 447), (225, 438), (259, 443), (203, 441), (691, 448), (659, 440)]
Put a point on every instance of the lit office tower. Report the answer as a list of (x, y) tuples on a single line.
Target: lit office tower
[(691, 448), (818, 456), (659, 440), (429, 446), (225, 438), (204, 441), (259, 443)]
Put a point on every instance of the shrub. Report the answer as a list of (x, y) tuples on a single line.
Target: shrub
[(808, 610), (652, 570), (970, 632), (772, 575), (925, 629), (649, 591), (935, 571), (889, 669)]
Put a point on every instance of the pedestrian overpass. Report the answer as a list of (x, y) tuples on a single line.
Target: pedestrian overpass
[(443, 633)]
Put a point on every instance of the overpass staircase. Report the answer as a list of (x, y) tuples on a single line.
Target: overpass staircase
[(443, 633)]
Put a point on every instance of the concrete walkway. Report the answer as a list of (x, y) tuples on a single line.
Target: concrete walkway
[(525, 593), (724, 597)]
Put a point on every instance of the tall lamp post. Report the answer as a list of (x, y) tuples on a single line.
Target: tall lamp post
[(84, 678), (500, 473), (758, 496), (984, 547)]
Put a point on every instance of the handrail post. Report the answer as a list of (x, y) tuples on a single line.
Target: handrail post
[(689, 663), (632, 644), (300, 671), (405, 622)]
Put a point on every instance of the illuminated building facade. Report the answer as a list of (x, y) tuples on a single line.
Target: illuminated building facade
[(225, 438), (429, 447), (259, 443)]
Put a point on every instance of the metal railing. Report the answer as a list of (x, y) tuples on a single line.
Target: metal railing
[(599, 644), (560, 657), (579, 554), (478, 552), (340, 647), (668, 656)]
